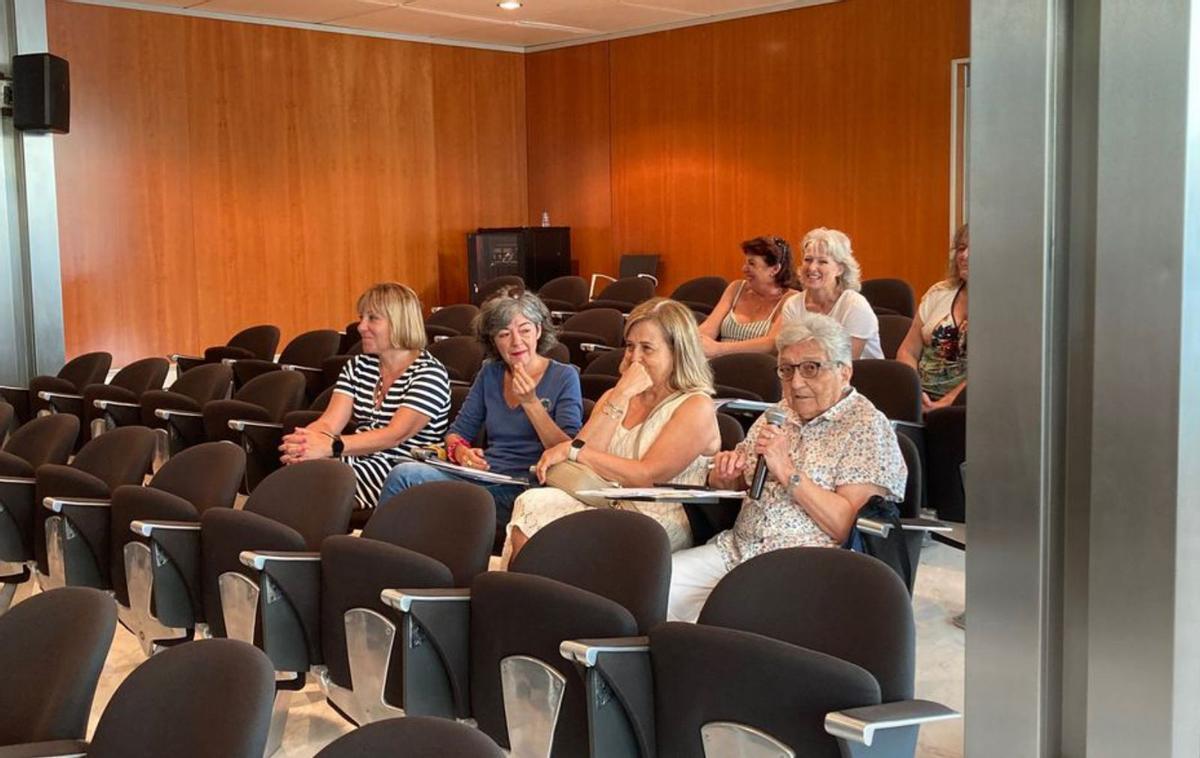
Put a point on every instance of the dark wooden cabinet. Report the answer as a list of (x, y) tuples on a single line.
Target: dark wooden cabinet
[(537, 254)]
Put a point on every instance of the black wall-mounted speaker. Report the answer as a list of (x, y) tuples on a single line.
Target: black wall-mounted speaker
[(41, 93)]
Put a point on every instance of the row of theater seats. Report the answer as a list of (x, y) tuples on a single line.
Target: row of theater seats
[(566, 654)]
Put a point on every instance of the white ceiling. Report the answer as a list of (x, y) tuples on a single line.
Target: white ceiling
[(538, 24)]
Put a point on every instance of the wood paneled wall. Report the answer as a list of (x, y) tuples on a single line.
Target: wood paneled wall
[(221, 174), (688, 141)]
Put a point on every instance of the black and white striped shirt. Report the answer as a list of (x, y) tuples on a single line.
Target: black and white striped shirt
[(424, 387)]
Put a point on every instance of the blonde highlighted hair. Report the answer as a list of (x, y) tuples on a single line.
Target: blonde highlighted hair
[(402, 308), (836, 245), (962, 238), (690, 370)]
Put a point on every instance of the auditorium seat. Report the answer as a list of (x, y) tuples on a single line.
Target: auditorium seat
[(643, 265), (747, 376), (305, 354), (491, 287), (265, 398), (564, 295), (599, 573), (261, 439), (196, 577), (94, 532), (807, 650), (601, 374), (893, 328), (462, 356), (7, 415), (190, 393), (623, 294), (349, 338), (120, 457), (591, 331), (199, 700), (413, 737), (891, 386), (325, 608), (890, 296), (127, 385), (701, 294), (77, 373), (52, 650), (945, 451), (450, 321), (253, 342)]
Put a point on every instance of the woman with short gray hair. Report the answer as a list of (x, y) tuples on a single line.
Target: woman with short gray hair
[(523, 401), (827, 453), (831, 280)]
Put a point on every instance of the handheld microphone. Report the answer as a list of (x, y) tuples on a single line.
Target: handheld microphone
[(775, 418)]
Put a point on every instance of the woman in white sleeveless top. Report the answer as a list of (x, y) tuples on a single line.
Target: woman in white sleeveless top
[(656, 425), (747, 317), (831, 280)]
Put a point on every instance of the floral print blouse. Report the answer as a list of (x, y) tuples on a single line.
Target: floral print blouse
[(851, 443)]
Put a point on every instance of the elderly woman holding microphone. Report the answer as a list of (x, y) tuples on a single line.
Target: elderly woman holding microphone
[(524, 401), (827, 453)]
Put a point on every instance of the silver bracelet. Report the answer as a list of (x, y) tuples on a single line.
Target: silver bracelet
[(614, 412)]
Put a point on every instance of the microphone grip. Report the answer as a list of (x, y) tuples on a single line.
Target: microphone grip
[(760, 478)]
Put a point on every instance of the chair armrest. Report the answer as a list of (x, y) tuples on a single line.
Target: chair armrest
[(587, 652), (437, 674), (106, 404), (50, 749), (651, 277), (592, 286), (897, 425), (562, 315), (148, 528), (58, 504), (595, 347), (51, 396), (13, 388), (174, 357), (883, 529), (259, 559), (863, 725), (241, 425), (295, 367), (18, 480), (166, 414), (404, 600), (459, 383), (746, 406)]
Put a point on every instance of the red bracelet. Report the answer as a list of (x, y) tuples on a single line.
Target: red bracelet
[(452, 448)]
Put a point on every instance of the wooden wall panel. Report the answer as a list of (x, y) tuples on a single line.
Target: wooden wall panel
[(221, 174), (479, 107), (835, 115), (569, 127)]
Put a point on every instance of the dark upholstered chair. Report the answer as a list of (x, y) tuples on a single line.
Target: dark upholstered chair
[(52, 650), (127, 385), (591, 331), (199, 700), (945, 451), (349, 339), (462, 356), (893, 328), (47, 439), (890, 296), (596, 573), (492, 287), (701, 294), (304, 353), (77, 373), (748, 376), (564, 294), (120, 457), (761, 673), (558, 352), (267, 398), (7, 416), (292, 509), (601, 373), (623, 294), (176, 411), (253, 342), (261, 439), (632, 265), (707, 519), (327, 608), (893, 387), (450, 321), (413, 737)]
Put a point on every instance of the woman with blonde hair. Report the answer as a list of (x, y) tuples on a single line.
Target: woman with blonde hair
[(657, 424), (936, 344), (831, 279), (397, 394)]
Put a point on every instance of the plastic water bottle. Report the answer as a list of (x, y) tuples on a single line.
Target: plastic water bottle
[(545, 218)]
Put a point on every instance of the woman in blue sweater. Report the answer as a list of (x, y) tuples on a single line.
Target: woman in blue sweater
[(523, 401)]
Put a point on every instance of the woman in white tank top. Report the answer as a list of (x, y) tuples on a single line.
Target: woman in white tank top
[(747, 318), (830, 275)]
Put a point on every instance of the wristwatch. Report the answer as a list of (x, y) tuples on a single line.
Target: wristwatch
[(794, 481), (337, 446), (576, 445)]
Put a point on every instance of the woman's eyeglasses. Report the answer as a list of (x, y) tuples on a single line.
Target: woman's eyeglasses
[(806, 369)]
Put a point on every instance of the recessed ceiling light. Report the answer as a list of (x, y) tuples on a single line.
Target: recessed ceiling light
[(508, 5)]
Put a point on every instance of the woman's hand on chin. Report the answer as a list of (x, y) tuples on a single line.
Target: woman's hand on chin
[(553, 455), (523, 385)]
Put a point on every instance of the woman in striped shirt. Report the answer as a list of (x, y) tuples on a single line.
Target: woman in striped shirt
[(747, 318), (396, 395)]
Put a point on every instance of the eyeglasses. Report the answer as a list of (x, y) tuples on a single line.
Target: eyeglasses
[(807, 369)]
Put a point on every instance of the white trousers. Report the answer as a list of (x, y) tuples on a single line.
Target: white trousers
[(694, 573)]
